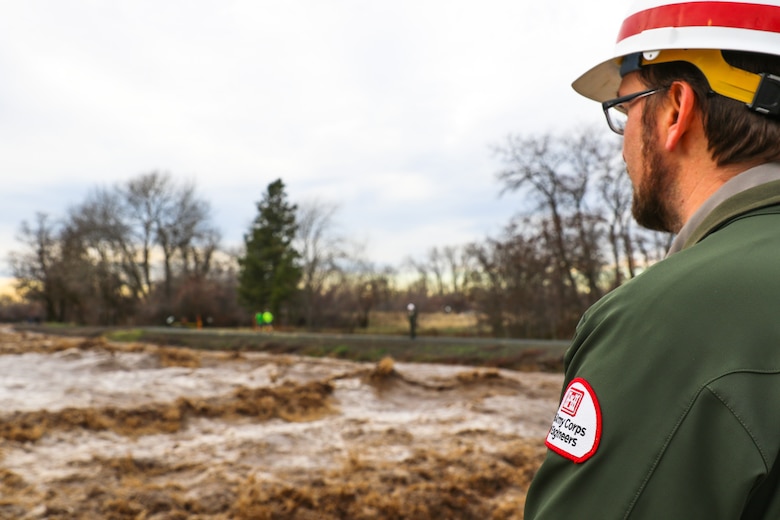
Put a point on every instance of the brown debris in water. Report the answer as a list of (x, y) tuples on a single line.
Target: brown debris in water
[(466, 484), (27, 342), (289, 402), (179, 357), (382, 374)]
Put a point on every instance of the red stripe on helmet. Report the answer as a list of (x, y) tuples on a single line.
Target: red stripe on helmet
[(735, 15)]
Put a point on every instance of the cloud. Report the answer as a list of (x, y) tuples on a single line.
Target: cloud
[(386, 108)]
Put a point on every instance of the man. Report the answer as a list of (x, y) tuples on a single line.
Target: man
[(412, 311), (671, 401)]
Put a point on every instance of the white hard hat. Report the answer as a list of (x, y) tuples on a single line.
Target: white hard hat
[(661, 31)]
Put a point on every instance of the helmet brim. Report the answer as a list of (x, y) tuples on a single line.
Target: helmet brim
[(601, 82)]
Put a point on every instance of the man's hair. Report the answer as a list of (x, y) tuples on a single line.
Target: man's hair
[(734, 133)]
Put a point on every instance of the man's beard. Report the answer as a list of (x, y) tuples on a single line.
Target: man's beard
[(653, 200)]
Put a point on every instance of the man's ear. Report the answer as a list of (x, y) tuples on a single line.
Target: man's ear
[(681, 113)]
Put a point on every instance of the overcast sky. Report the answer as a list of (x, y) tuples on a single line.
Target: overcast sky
[(387, 108)]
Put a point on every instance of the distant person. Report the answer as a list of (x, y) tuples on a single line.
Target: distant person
[(412, 312), (268, 321), (258, 324), (670, 407)]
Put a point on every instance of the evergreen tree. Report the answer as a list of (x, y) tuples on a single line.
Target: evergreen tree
[(270, 270)]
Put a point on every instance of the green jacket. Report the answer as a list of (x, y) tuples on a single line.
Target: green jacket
[(683, 365)]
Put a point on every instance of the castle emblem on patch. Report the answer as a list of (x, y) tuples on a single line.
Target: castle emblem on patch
[(572, 401)]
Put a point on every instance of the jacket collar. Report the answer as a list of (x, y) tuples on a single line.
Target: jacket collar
[(752, 189)]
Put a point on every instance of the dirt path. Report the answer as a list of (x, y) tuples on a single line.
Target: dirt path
[(90, 429)]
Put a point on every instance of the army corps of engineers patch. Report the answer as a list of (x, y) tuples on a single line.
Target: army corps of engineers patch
[(576, 429)]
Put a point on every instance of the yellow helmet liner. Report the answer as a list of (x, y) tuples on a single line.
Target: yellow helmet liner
[(760, 92)]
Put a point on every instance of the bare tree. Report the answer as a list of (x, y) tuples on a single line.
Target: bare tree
[(591, 158), (169, 215), (446, 269), (436, 267), (512, 289), (36, 268), (321, 250), (458, 264), (542, 165), (420, 286), (97, 265), (96, 231), (358, 288), (147, 198), (615, 191), (187, 224), (580, 215)]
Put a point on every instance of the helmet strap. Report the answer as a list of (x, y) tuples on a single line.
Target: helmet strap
[(767, 98)]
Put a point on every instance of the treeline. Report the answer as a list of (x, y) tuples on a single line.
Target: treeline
[(147, 250)]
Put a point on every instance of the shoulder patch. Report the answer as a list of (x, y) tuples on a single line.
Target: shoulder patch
[(576, 429)]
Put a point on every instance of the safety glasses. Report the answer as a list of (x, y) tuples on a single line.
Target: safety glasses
[(616, 110)]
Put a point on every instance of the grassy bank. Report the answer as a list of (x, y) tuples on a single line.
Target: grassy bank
[(388, 338)]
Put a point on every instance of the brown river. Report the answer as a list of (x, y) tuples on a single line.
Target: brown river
[(97, 430)]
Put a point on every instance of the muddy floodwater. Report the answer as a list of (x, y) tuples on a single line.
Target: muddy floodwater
[(97, 430)]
